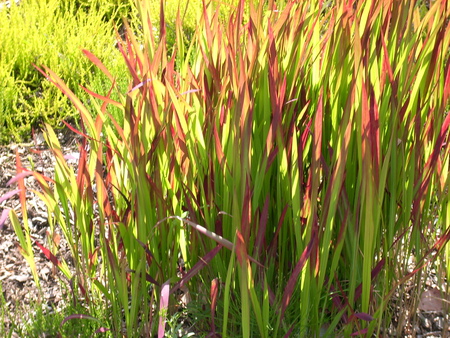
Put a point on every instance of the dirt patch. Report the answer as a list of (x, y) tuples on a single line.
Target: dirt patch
[(18, 286)]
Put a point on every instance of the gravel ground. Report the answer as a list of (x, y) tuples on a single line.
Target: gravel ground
[(430, 319)]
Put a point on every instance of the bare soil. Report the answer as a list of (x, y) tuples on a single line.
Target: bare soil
[(19, 289)]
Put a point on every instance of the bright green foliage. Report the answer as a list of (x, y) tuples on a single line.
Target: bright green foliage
[(52, 33), (8, 92), (113, 10), (39, 320), (293, 156), (190, 12)]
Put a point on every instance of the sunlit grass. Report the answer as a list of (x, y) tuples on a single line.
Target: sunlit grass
[(291, 159)]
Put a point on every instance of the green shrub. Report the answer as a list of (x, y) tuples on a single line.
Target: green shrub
[(190, 14), (113, 10), (8, 95), (52, 34)]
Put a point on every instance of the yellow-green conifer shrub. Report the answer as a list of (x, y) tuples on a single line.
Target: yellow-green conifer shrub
[(190, 11), (51, 33), (8, 95)]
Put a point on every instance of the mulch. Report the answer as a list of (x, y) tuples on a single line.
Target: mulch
[(20, 292), (430, 319)]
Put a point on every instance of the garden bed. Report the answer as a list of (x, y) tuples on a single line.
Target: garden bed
[(21, 295)]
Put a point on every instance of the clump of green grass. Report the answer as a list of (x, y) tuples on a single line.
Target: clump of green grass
[(39, 319), (290, 157)]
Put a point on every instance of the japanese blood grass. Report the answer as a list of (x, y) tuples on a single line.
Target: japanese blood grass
[(310, 141)]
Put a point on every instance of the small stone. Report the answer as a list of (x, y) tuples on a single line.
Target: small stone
[(39, 221), (417, 329), (426, 323), (391, 330), (438, 323), (20, 278), (39, 138), (44, 272)]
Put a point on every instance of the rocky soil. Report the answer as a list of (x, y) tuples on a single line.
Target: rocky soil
[(430, 319)]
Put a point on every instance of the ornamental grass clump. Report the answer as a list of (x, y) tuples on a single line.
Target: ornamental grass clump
[(292, 161)]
